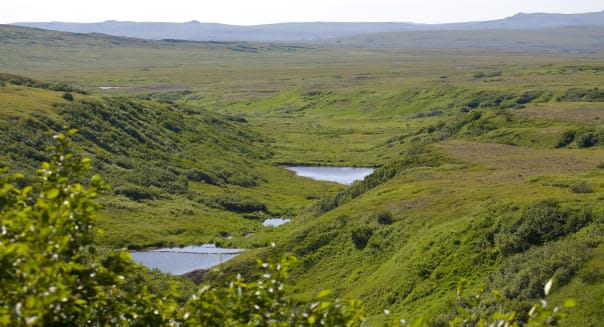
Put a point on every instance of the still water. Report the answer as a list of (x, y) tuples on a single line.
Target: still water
[(178, 261), (275, 222), (342, 175)]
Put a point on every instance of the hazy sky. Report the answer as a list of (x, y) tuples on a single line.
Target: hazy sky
[(246, 12)]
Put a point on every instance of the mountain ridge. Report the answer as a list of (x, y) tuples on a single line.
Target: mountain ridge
[(307, 31)]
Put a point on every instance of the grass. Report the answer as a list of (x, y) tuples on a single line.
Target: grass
[(208, 112), (147, 151)]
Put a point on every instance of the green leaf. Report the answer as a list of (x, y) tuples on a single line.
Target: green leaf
[(324, 293), (570, 303), (52, 193), (96, 179)]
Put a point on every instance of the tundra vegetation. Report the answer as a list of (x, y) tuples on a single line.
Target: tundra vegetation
[(488, 179), (52, 274)]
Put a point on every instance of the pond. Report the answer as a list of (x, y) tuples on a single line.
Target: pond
[(342, 175), (178, 261), (109, 87), (275, 222)]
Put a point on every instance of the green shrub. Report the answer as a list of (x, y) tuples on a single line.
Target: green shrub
[(25, 81), (197, 175), (49, 273), (472, 116), (566, 139), (384, 218), (591, 275), (360, 236), (520, 277), (235, 203), (536, 224), (312, 241), (136, 193), (474, 310), (578, 94), (68, 96), (587, 140), (582, 188)]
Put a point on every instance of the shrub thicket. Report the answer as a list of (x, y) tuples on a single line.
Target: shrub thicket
[(52, 275), (541, 222)]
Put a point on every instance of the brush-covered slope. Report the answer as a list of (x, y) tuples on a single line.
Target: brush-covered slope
[(179, 174), (503, 195)]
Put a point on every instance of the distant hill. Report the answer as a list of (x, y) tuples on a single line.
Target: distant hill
[(532, 21), (310, 31), (570, 40), (583, 39), (196, 31)]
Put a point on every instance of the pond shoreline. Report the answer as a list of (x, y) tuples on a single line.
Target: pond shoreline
[(341, 175)]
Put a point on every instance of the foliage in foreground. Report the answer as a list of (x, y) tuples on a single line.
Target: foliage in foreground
[(51, 274)]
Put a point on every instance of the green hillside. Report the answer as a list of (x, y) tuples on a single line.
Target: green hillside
[(489, 164), (204, 175)]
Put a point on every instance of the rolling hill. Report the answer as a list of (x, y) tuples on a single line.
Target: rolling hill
[(306, 31), (559, 39)]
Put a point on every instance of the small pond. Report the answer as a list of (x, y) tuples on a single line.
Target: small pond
[(178, 261), (275, 222), (342, 175), (109, 87)]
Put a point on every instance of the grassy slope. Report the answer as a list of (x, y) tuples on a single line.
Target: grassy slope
[(368, 107), (156, 200)]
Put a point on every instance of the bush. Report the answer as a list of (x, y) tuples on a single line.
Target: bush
[(578, 94), (197, 175), (583, 138), (235, 203), (566, 139), (49, 273), (538, 223), (384, 218), (361, 236), (587, 140), (582, 188), (520, 277), (136, 193), (68, 96), (591, 275)]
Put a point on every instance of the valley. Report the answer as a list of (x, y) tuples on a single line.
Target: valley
[(489, 164)]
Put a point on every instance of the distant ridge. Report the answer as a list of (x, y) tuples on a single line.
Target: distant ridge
[(308, 31), (563, 40)]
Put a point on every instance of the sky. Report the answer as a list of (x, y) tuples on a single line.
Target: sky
[(249, 12)]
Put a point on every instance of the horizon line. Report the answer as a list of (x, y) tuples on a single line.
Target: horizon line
[(304, 22)]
